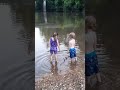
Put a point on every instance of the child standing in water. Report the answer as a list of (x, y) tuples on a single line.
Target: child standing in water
[(54, 45), (91, 62), (72, 49)]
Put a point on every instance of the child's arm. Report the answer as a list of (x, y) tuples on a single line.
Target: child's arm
[(75, 43), (49, 43), (58, 45), (68, 46), (95, 41)]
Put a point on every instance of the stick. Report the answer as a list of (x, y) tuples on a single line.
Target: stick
[(64, 60)]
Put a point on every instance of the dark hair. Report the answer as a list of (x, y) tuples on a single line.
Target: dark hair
[(54, 35)]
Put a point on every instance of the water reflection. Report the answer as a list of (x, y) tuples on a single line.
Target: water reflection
[(73, 65), (17, 67), (54, 68)]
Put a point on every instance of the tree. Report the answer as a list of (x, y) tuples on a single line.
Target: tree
[(61, 5)]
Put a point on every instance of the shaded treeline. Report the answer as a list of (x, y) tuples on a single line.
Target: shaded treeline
[(61, 5)]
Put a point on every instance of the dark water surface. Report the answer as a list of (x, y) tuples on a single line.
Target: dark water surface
[(16, 65), (108, 56), (63, 23)]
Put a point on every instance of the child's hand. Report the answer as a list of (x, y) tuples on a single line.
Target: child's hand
[(59, 49)]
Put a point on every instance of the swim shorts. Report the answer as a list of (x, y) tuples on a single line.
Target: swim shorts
[(91, 64), (72, 52)]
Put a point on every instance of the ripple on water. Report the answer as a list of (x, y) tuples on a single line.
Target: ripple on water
[(19, 76), (43, 66)]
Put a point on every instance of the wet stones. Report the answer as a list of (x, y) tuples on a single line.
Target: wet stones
[(71, 80)]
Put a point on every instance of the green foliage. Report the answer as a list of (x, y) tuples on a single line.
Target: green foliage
[(61, 5), (39, 4), (50, 5)]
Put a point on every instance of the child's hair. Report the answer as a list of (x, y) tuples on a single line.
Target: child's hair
[(54, 35), (72, 35), (90, 22)]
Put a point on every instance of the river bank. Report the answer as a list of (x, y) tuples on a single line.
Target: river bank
[(72, 79)]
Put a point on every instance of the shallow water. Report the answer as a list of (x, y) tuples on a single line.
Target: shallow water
[(63, 24)]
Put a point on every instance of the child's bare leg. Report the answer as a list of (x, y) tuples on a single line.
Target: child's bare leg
[(55, 57), (98, 77), (51, 57), (72, 60), (75, 58)]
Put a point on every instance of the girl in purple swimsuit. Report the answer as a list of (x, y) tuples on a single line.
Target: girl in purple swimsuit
[(54, 45)]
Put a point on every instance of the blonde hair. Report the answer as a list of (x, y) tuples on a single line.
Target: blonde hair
[(72, 35), (90, 22)]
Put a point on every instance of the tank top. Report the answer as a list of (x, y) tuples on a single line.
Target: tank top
[(53, 44)]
